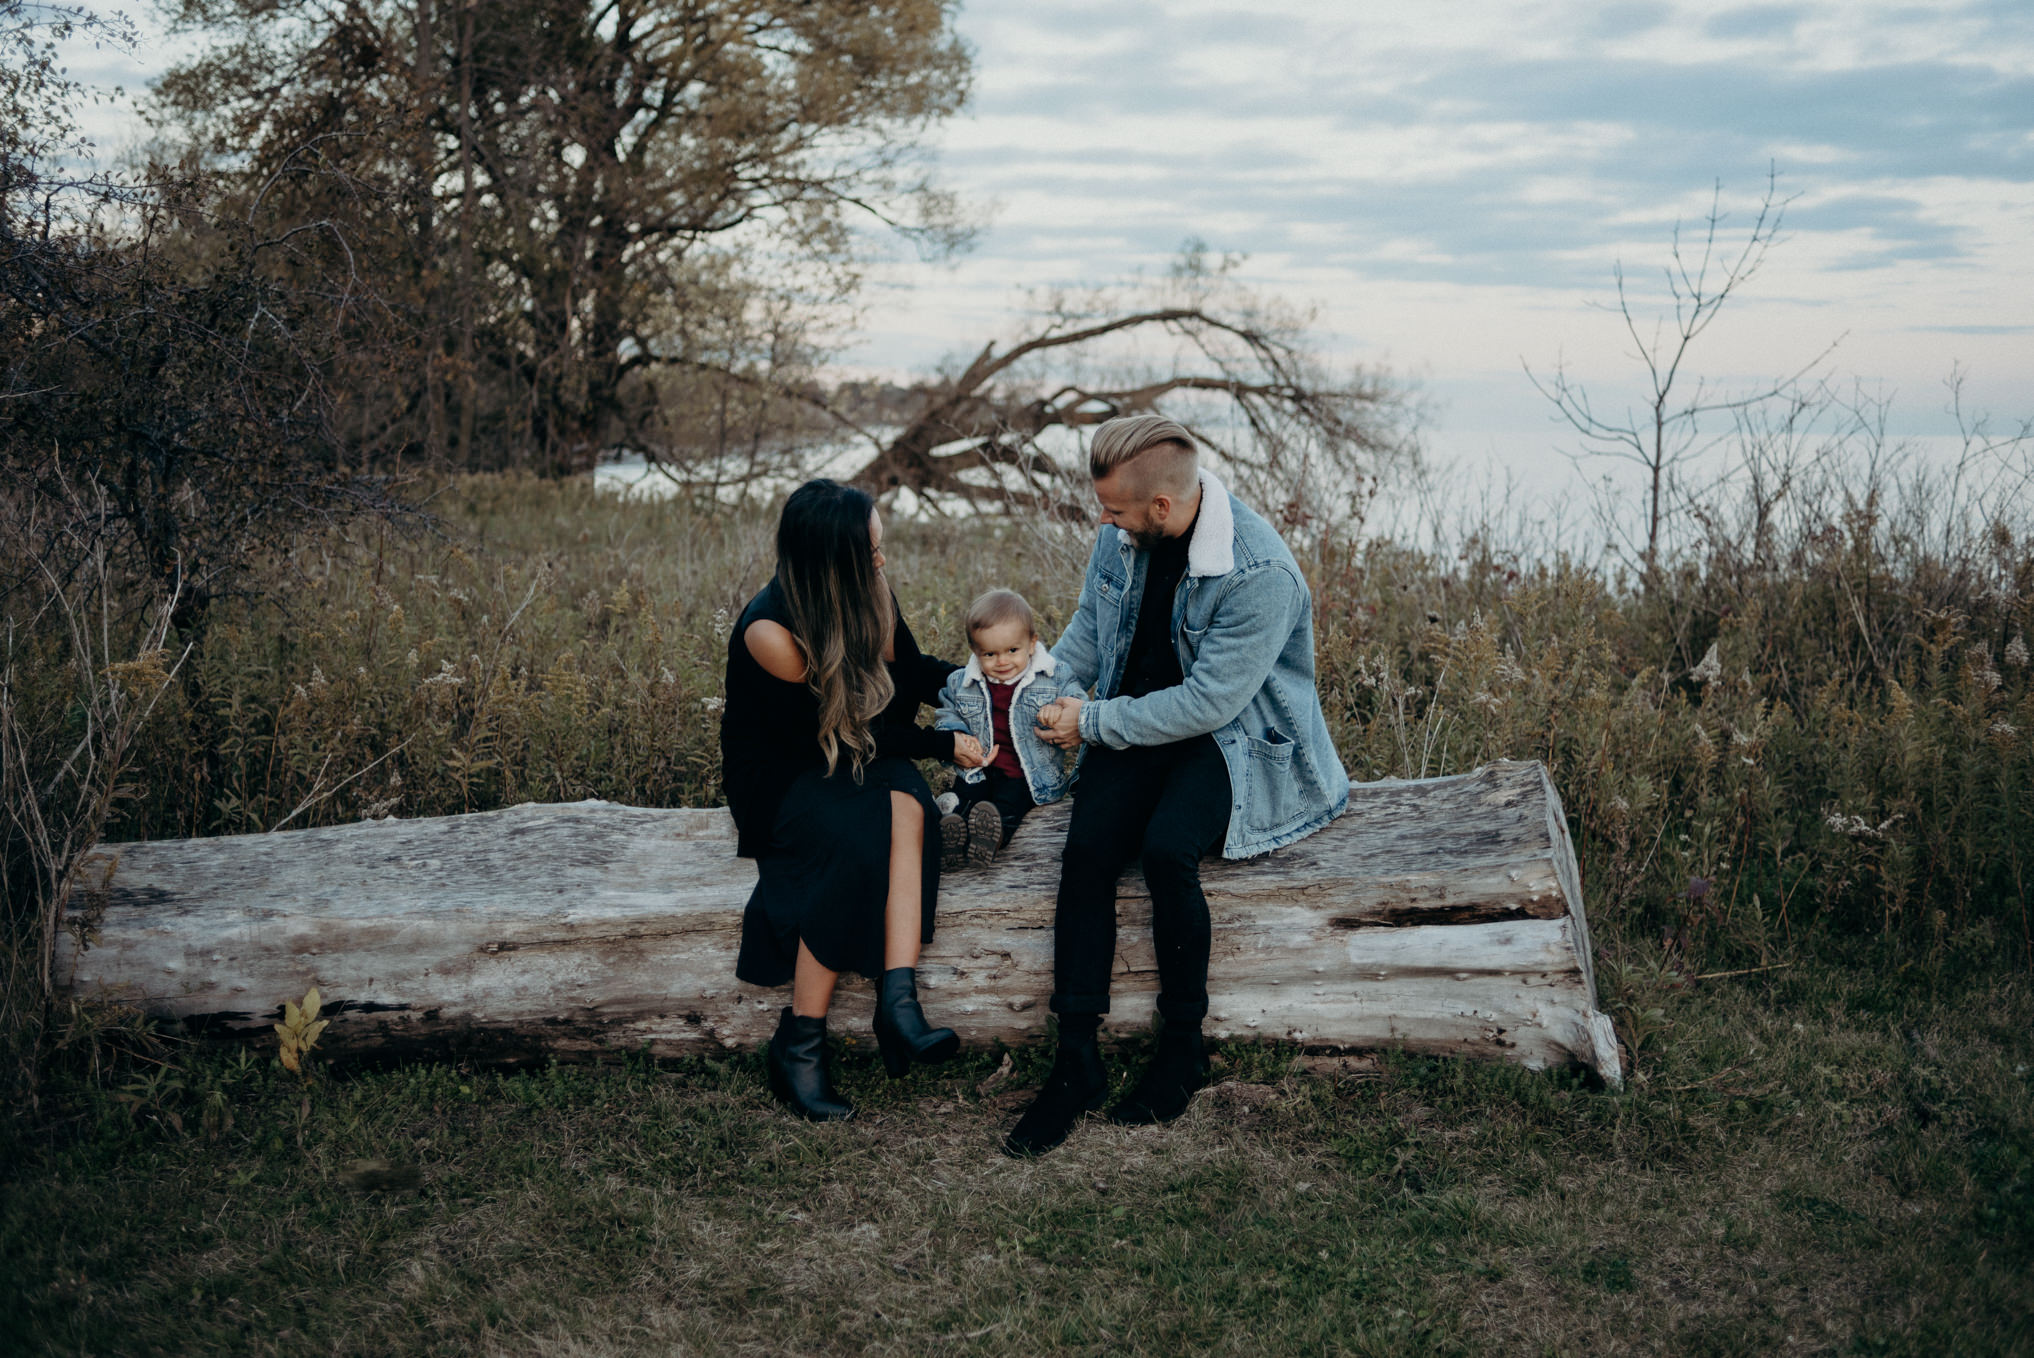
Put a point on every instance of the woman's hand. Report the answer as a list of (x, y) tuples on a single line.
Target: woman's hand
[(968, 752)]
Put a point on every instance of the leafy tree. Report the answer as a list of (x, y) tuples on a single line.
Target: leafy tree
[(569, 203), (164, 403)]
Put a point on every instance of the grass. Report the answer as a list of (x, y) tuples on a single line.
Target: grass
[(1829, 1159)]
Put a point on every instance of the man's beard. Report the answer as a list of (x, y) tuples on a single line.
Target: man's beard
[(1145, 539)]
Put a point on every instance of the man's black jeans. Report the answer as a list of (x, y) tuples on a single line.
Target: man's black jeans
[(1169, 806)]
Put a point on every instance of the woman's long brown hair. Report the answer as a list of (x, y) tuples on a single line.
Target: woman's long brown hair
[(841, 613)]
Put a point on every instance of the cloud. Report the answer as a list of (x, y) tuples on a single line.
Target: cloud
[(1756, 21)]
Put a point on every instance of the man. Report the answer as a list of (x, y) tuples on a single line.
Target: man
[(1195, 632)]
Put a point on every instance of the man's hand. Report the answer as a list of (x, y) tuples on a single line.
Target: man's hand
[(968, 752), (1059, 723)]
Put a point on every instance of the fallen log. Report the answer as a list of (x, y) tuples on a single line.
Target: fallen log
[(1442, 915)]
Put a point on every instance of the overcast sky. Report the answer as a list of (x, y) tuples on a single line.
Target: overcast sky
[(1451, 183)]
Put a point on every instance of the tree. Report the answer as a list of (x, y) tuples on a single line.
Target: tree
[(164, 406), (1236, 368), (1666, 434), (564, 196)]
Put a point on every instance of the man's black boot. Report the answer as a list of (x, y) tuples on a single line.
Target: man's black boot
[(798, 1075), (1075, 1088), (902, 1034), (1177, 1069)]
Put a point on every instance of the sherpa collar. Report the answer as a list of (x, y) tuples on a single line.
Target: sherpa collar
[(1212, 549), (1042, 662)]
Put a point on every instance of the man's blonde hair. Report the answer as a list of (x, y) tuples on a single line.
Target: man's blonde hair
[(1173, 463), (996, 607)]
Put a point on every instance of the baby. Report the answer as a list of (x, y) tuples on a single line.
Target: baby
[(996, 700)]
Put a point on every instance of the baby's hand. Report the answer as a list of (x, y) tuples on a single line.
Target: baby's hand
[(968, 752)]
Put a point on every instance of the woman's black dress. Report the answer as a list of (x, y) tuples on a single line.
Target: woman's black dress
[(821, 844)]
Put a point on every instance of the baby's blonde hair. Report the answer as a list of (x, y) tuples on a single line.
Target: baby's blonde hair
[(997, 607)]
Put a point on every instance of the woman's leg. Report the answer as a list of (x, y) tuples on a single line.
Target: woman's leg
[(901, 912), (811, 985)]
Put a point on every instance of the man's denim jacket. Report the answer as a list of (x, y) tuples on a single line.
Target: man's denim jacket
[(1243, 624), (964, 706)]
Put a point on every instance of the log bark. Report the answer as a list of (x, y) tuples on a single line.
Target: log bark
[(1442, 915)]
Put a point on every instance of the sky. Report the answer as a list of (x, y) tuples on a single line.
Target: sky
[(1451, 184)]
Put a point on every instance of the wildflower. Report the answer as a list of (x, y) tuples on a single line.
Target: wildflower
[(1620, 806), (300, 695), (1739, 737), (1857, 827), (1485, 699), (445, 675), (317, 677), (411, 658), (2016, 651), (713, 704), (720, 619), (1508, 670), (2004, 730), (664, 675), (1709, 669)]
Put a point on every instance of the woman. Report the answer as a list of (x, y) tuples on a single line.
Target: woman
[(823, 686)]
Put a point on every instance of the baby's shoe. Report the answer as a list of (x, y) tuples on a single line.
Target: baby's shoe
[(984, 834), (953, 843)]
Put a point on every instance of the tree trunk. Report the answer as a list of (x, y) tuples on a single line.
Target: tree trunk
[(1442, 915)]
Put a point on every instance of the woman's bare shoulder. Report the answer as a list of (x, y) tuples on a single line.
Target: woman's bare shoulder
[(776, 650)]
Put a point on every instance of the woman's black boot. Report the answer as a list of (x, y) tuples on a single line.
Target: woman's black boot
[(798, 1074), (902, 1034)]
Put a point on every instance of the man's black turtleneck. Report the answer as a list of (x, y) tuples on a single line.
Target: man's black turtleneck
[(1153, 663)]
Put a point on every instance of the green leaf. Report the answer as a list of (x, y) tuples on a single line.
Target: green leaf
[(311, 1003)]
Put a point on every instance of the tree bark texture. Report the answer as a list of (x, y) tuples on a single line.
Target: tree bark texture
[(1442, 915)]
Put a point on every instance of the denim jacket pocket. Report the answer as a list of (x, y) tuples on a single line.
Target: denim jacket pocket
[(1276, 748)]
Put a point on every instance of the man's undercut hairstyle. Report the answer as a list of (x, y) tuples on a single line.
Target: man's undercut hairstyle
[(997, 607), (1161, 449)]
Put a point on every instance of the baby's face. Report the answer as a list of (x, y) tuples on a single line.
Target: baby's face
[(1003, 650)]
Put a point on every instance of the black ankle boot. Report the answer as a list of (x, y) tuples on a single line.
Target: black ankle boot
[(798, 1074), (902, 1034), (1177, 1069), (1075, 1088)]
